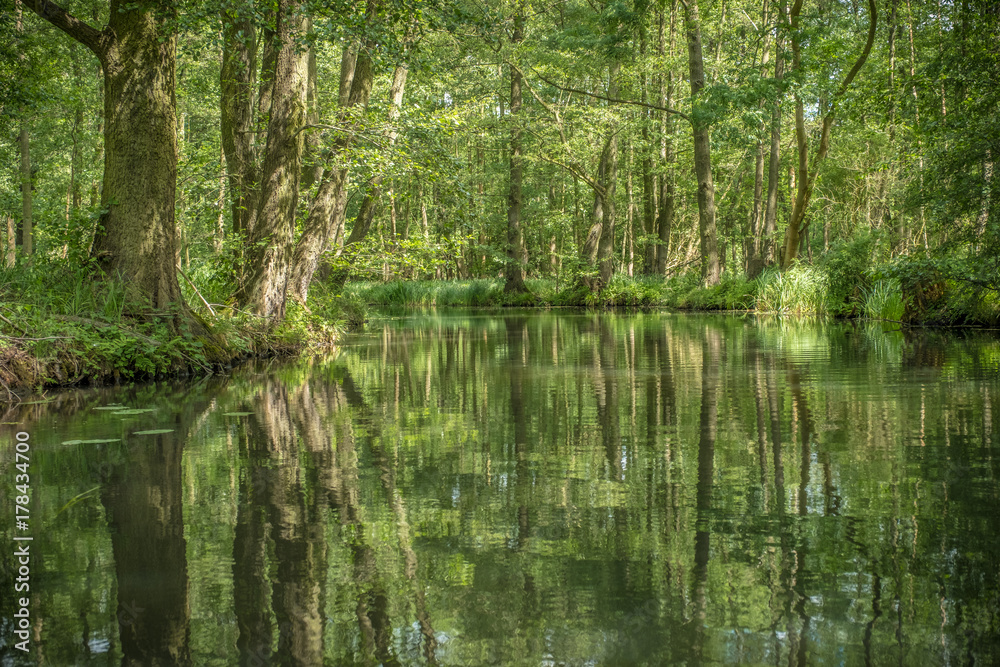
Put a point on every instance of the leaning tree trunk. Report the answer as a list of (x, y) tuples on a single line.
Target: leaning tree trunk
[(710, 268), (269, 241), (136, 236), (806, 177), (326, 214)]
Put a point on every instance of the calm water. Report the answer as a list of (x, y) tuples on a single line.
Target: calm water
[(541, 489)]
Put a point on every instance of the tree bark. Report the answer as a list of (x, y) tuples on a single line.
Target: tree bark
[(26, 220), (665, 216), (517, 253), (326, 214), (608, 178), (369, 205), (136, 236), (763, 254), (710, 269), (648, 247), (269, 238), (239, 69)]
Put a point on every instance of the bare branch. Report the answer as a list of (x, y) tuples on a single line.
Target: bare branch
[(613, 100)]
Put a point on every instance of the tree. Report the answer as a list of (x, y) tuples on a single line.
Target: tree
[(271, 226), (517, 253), (136, 234), (711, 272), (806, 179)]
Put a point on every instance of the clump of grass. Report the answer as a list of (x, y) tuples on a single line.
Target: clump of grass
[(884, 301), (799, 290)]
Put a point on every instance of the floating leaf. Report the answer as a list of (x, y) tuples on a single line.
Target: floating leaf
[(156, 431), (91, 442), (236, 414), (135, 411)]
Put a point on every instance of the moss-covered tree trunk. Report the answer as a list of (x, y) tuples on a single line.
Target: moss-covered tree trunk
[(239, 70), (270, 230), (136, 236)]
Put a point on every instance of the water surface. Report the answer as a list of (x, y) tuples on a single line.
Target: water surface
[(528, 488)]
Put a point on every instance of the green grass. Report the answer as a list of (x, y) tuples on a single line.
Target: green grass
[(440, 293), (884, 301), (802, 290)]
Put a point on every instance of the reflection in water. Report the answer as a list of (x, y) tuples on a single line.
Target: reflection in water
[(538, 488), (143, 500)]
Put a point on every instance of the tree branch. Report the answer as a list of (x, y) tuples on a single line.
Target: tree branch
[(79, 30), (613, 100)]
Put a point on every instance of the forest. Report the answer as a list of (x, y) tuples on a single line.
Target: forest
[(189, 179)]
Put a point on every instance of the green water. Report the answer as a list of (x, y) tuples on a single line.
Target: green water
[(540, 489)]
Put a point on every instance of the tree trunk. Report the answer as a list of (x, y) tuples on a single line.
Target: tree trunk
[(369, 205), (807, 179), (608, 178), (269, 238), (647, 247), (136, 236), (665, 216), (239, 66), (774, 159), (517, 253), (326, 215), (710, 269)]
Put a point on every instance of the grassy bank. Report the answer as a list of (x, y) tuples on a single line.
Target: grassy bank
[(61, 326), (839, 287)]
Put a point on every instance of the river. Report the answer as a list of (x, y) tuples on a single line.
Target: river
[(469, 488)]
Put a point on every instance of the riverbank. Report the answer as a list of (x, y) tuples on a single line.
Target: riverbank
[(61, 327), (837, 289)]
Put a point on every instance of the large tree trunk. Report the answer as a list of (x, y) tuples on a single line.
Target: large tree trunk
[(136, 236), (269, 238), (517, 253), (710, 268)]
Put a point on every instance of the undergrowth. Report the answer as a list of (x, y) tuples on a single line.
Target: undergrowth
[(65, 325)]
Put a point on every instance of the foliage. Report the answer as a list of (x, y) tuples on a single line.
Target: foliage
[(848, 268)]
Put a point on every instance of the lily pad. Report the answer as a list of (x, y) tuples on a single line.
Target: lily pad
[(91, 442), (236, 414), (136, 411), (156, 431)]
